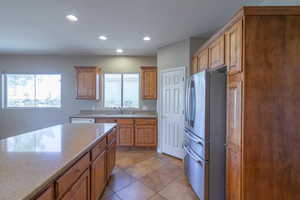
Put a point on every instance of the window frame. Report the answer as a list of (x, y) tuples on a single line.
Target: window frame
[(5, 96), (122, 84)]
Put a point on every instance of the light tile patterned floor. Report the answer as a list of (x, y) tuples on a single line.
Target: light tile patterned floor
[(146, 175)]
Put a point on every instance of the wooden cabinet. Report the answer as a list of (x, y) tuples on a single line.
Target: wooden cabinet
[(203, 60), (234, 44), (194, 67), (111, 157), (149, 82), (234, 138), (48, 194), (98, 176), (87, 83), (125, 135), (145, 132), (145, 135), (262, 54), (81, 189), (71, 175), (217, 53)]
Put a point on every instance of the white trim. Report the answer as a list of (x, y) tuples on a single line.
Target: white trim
[(122, 75), (159, 105)]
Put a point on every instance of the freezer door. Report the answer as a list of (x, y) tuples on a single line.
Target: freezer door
[(196, 100), (196, 172)]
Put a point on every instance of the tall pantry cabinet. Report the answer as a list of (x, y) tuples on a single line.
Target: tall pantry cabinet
[(262, 56)]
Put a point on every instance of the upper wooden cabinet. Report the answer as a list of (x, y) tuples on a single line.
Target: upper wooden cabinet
[(88, 83), (194, 67), (203, 60), (149, 82), (234, 46), (217, 53)]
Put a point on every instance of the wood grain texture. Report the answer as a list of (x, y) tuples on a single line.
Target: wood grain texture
[(111, 158), (125, 135), (145, 135), (234, 138), (48, 194), (98, 176), (149, 82), (234, 48), (81, 189), (194, 66), (87, 82), (272, 108), (71, 175), (203, 60), (217, 53)]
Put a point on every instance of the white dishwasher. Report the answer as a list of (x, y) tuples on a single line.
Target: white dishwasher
[(82, 120)]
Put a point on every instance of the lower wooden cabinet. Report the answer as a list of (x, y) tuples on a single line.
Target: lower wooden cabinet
[(111, 158), (81, 189), (98, 176), (145, 135), (125, 135), (234, 138), (48, 194)]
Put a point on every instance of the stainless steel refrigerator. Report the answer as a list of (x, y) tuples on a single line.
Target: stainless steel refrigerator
[(205, 133)]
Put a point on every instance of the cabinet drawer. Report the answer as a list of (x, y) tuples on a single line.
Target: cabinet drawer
[(104, 120), (125, 121), (145, 121), (71, 175), (99, 148), (111, 136)]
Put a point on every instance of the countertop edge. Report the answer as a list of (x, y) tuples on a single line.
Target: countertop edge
[(59, 172)]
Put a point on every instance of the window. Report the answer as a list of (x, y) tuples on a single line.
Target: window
[(121, 90), (33, 90)]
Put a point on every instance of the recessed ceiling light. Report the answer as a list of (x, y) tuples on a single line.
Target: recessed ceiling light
[(119, 50), (72, 18), (102, 37), (146, 38)]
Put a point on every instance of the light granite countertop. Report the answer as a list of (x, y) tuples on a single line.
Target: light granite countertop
[(115, 114), (30, 161)]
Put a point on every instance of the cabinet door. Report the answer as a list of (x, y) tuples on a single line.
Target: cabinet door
[(234, 48), (125, 135), (234, 139), (194, 67), (98, 176), (145, 135), (111, 158), (47, 194), (149, 82), (203, 60), (81, 189), (217, 53), (87, 82)]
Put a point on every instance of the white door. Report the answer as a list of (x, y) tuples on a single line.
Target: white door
[(172, 111)]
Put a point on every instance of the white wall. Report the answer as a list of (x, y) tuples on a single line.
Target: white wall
[(16, 121)]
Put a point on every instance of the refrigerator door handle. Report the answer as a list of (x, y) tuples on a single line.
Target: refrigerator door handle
[(187, 99), (199, 141), (194, 157)]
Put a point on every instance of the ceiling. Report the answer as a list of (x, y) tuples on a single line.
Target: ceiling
[(40, 27)]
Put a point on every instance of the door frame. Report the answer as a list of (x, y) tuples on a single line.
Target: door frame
[(159, 102)]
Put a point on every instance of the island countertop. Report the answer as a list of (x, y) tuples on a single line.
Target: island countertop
[(30, 161)]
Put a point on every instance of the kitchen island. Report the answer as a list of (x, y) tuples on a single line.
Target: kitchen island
[(57, 162)]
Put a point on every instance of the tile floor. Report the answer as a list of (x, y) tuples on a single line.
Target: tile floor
[(145, 174)]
